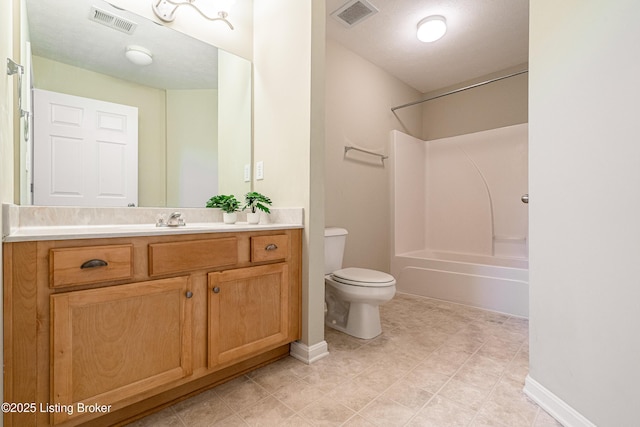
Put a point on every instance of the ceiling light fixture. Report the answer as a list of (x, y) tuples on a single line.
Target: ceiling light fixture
[(431, 28), (166, 9), (138, 55)]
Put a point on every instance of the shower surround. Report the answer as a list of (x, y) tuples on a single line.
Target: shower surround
[(459, 226)]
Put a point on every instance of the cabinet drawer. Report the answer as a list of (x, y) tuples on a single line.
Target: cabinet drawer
[(175, 257), (89, 264), (269, 248)]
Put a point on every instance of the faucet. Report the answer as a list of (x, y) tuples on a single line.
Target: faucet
[(174, 220)]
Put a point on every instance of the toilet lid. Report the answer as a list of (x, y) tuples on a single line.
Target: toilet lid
[(363, 277)]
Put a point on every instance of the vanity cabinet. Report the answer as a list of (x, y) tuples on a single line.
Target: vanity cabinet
[(103, 331)]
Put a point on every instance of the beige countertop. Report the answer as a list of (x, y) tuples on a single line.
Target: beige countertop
[(131, 230), (32, 223)]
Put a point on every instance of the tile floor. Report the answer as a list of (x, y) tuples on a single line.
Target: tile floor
[(435, 364)]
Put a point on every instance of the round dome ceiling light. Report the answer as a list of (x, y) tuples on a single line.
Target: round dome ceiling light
[(431, 28), (138, 55)]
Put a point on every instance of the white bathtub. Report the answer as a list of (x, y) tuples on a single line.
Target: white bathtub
[(492, 283)]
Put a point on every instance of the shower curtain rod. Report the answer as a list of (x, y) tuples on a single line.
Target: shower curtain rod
[(459, 90)]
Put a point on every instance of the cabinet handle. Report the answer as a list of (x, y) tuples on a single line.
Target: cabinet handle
[(216, 290), (189, 294), (271, 247), (94, 263)]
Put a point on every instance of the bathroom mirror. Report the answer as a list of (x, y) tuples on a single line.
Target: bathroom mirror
[(194, 100)]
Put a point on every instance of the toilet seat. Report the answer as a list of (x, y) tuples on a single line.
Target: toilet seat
[(363, 277)]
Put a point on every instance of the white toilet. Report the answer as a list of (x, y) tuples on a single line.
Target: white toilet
[(352, 294)]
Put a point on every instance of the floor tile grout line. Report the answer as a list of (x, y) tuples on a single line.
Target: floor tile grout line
[(298, 412), (357, 413), (476, 412), (391, 386), (238, 412), (444, 385), (180, 420), (490, 394), (433, 394)]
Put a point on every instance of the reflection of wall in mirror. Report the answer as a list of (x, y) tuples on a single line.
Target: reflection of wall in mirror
[(192, 147), (234, 112), (151, 103), (162, 177)]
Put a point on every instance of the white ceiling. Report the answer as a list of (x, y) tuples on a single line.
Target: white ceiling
[(61, 30), (483, 37)]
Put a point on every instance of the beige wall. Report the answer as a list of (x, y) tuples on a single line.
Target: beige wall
[(313, 255), (192, 169), (234, 123), (59, 77), (288, 116), (358, 112), (585, 235), (499, 104)]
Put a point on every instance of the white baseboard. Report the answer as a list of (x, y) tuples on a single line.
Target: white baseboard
[(309, 354), (556, 407)]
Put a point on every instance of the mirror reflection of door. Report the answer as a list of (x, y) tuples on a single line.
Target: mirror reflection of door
[(85, 151), (182, 163)]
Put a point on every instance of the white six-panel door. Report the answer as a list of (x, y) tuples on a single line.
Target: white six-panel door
[(85, 151)]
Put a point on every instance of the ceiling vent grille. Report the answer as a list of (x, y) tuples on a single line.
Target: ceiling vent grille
[(110, 20), (354, 12)]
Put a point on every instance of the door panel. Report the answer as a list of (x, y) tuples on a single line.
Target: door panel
[(66, 177), (85, 151)]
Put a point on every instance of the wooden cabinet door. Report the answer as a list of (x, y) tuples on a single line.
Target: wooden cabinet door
[(248, 312), (112, 343)]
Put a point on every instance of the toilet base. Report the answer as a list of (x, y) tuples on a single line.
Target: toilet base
[(354, 310), (363, 321)]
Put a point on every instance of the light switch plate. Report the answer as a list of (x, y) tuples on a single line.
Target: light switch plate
[(247, 172), (260, 170)]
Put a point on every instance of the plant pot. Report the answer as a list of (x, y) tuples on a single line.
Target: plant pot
[(253, 217), (229, 217)]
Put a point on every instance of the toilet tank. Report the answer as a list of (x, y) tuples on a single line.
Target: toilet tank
[(334, 241)]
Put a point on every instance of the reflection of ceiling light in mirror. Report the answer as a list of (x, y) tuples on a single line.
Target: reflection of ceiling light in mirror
[(138, 55), (432, 28), (166, 9)]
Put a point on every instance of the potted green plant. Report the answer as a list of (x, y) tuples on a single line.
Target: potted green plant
[(256, 202), (229, 206)]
